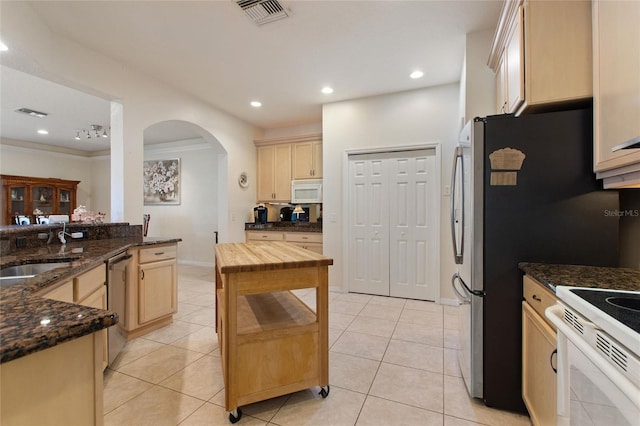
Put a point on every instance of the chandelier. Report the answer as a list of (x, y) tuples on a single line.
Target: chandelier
[(96, 131)]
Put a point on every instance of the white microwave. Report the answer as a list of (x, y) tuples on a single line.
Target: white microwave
[(306, 191)]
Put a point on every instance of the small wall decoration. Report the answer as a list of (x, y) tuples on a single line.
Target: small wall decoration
[(161, 182), (505, 164)]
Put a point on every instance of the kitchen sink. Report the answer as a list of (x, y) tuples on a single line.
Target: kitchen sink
[(15, 274)]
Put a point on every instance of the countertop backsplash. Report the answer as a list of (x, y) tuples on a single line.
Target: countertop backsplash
[(13, 237), (630, 228)]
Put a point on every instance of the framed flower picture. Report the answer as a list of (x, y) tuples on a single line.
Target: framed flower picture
[(161, 182)]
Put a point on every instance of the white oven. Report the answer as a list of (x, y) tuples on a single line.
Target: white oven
[(598, 374)]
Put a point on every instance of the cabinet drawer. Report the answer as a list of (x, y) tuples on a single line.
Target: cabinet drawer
[(87, 283), (264, 236), (303, 237), (63, 293), (153, 254), (538, 297)]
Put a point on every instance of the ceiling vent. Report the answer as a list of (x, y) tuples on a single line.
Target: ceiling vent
[(32, 112), (262, 11)]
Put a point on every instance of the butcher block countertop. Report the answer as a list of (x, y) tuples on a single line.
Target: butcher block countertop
[(583, 276), (265, 255)]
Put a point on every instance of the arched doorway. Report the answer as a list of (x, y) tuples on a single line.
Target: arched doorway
[(198, 204)]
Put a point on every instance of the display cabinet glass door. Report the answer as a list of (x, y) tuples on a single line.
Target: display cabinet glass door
[(42, 199), (17, 200), (64, 206)]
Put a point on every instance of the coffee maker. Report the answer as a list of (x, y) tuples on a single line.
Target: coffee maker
[(285, 214), (260, 214)]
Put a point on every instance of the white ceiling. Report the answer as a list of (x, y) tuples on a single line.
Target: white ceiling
[(213, 51)]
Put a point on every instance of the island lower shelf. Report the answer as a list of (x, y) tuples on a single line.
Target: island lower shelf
[(276, 346)]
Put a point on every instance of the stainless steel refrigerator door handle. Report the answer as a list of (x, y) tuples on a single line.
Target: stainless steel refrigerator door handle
[(462, 297), (457, 251)]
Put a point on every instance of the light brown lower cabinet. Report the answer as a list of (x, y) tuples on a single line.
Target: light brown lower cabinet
[(539, 360), (152, 293), (306, 240), (62, 385), (87, 289)]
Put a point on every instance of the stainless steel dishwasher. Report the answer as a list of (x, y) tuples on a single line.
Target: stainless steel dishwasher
[(116, 300)]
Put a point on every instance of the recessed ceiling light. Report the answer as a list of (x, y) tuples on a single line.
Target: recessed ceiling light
[(3, 47), (416, 74), (32, 112), (256, 104), (327, 90), (43, 132)]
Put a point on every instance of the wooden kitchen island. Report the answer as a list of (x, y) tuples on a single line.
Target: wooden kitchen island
[(271, 343)]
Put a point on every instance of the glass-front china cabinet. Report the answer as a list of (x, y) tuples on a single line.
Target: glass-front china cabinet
[(28, 199)]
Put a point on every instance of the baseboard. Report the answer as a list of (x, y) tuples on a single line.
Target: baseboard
[(195, 263), (450, 302)]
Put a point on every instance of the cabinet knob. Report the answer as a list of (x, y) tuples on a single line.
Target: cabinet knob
[(536, 298), (142, 274)]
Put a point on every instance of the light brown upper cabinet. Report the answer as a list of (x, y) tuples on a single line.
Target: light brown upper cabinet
[(274, 173), (282, 159), (307, 160), (542, 55), (616, 91)]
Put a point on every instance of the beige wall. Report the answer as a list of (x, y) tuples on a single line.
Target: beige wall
[(479, 92), (21, 161), (418, 117), (144, 101)]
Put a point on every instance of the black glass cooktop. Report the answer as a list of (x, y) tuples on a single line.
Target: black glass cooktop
[(623, 306)]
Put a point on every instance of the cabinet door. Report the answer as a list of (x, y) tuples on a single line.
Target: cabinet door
[(65, 202), (63, 293), (282, 175), (515, 64), (538, 377), (302, 160), (98, 299), (266, 171), (307, 160), (317, 159), (501, 91), (616, 81), (42, 198), (157, 295), (317, 248), (16, 204)]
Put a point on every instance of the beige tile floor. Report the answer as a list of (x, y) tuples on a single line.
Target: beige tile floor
[(392, 362)]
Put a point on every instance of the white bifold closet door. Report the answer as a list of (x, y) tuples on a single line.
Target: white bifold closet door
[(392, 229)]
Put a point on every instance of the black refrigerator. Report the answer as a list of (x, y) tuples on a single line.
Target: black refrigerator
[(523, 190)]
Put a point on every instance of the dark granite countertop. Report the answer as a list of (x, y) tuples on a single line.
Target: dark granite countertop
[(285, 226), (30, 323), (583, 276)]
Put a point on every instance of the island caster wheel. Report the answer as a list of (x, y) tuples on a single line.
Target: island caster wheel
[(234, 416), (324, 392)]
